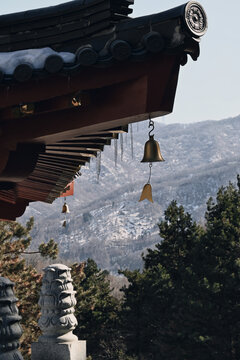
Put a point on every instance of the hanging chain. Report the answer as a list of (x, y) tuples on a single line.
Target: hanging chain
[(150, 173)]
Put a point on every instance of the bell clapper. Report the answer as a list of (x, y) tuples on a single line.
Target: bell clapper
[(147, 189)]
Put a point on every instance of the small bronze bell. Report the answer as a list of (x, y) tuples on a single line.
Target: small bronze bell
[(152, 154), (152, 151), (65, 209)]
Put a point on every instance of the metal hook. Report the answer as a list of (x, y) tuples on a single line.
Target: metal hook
[(151, 124)]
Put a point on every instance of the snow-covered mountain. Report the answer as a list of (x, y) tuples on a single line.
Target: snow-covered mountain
[(108, 224)]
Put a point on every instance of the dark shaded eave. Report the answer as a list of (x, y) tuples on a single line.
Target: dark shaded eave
[(129, 72)]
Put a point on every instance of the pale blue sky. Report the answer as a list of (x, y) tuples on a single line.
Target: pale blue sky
[(209, 88)]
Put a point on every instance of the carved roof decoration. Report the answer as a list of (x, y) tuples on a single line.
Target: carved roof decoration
[(72, 77)]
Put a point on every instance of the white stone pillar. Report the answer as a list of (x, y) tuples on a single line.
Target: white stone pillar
[(57, 321)]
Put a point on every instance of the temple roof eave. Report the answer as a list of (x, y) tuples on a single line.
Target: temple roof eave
[(130, 40), (51, 97)]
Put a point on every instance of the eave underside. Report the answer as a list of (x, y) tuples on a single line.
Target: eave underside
[(65, 137)]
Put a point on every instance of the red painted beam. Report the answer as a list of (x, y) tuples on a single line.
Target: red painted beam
[(89, 78), (116, 102)]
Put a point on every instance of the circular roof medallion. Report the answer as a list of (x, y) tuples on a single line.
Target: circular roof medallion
[(196, 18)]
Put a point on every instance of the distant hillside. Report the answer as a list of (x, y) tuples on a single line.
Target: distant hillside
[(108, 224)]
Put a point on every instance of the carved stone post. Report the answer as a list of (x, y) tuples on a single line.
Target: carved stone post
[(57, 321), (10, 329)]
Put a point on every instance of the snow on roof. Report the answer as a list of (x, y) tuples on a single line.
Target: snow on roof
[(34, 57)]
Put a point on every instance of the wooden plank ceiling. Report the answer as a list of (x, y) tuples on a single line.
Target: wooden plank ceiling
[(61, 163)]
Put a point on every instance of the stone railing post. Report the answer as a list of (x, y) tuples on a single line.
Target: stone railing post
[(57, 321), (10, 329)]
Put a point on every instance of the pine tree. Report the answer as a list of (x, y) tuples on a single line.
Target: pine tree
[(137, 328), (96, 311), (15, 240), (186, 300), (156, 293), (219, 271)]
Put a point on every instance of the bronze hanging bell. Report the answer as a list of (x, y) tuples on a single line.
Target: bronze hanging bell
[(152, 151), (65, 209), (152, 154)]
